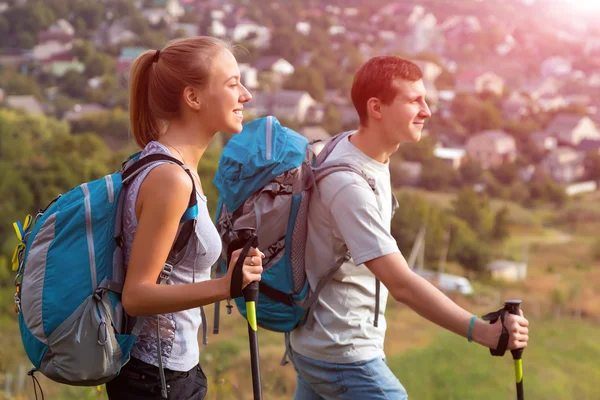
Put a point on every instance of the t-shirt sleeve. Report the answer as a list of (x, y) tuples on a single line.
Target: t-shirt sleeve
[(361, 224)]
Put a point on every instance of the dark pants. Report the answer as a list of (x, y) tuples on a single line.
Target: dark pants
[(139, 380)]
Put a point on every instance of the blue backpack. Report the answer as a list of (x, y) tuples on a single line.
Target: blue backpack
[(70, 276), (266, 176)]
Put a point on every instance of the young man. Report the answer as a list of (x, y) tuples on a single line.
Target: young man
[(339, 353)]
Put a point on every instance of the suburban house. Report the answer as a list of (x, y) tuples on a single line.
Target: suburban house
[(507, 270), (26, 103), (59, 68), (80, 111), (114, 33), (517, 105), (492, 148), (453, 157), (474, 81), (543, 141), (185, 30), (293, 105), (564, 165), (556, 66), (588, 146), (170, 12), (127, 57), (405, 173), (258, 35), (430, 70), (571, 129), (51, 43), (275, 64), (248, 76)]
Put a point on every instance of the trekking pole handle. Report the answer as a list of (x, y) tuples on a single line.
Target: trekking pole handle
[(250, 292), (513, 306)]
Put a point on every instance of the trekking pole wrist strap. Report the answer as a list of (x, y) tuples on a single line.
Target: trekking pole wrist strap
[(503, 341), (237, 276)]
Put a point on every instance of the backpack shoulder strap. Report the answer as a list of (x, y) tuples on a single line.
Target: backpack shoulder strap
[(131, 170), (329, 167), (329, 146)]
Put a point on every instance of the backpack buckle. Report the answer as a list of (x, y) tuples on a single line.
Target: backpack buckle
[(98, 293), (166, 272)]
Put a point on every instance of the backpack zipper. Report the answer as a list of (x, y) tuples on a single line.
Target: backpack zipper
[(269, 137), (89, 234)]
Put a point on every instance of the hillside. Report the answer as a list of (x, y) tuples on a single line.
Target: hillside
[(560, 362)]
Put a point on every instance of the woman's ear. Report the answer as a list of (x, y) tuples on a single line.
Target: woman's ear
[(191, 98)]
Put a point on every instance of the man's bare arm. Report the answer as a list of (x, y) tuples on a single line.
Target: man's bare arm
[(425, 299)]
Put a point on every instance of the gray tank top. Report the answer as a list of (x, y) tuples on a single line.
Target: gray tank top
[(178, 330)]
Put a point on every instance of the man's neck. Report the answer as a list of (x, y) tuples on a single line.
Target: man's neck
[(368, 141)]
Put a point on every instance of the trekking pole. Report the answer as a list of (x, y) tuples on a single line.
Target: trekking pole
[(512, 306), (251, 298)]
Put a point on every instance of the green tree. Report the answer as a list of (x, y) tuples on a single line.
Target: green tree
[(332, 120), (501, 231), (92, 14), (15, 83), (422, 151), (74, 84), (99, 64), (474, 209), (470, 172), (595, 249), (474, 114), (309, 79), (437, 175), (506, 173), (285, 43)]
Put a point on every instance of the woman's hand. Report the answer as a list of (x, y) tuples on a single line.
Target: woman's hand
[(251, 269), (518, 332)]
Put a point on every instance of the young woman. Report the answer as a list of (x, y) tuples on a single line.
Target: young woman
[(180, 97)]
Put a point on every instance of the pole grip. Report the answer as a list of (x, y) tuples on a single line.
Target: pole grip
[(513, 306), (250, 292)]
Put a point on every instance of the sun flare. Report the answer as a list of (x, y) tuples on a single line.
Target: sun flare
[(583, 5)]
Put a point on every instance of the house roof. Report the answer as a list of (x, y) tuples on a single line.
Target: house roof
[(130, 53), (588, 145), (563, 123), (563, 156), (495, 135), (449, 153), (504, 264), (27, 103), (266, 62), (62, 25), (288, 98), (59, 68), (282, 98), (58, 36), (82, 110)]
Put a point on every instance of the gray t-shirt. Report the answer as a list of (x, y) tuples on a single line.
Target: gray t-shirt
[(347, 214)]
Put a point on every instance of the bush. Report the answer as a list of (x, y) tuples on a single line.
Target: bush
[(596, 250)]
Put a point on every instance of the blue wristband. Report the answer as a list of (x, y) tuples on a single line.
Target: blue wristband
[(469, 338)]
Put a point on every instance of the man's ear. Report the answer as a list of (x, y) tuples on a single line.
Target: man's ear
[(191, 98), (374, 108)]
